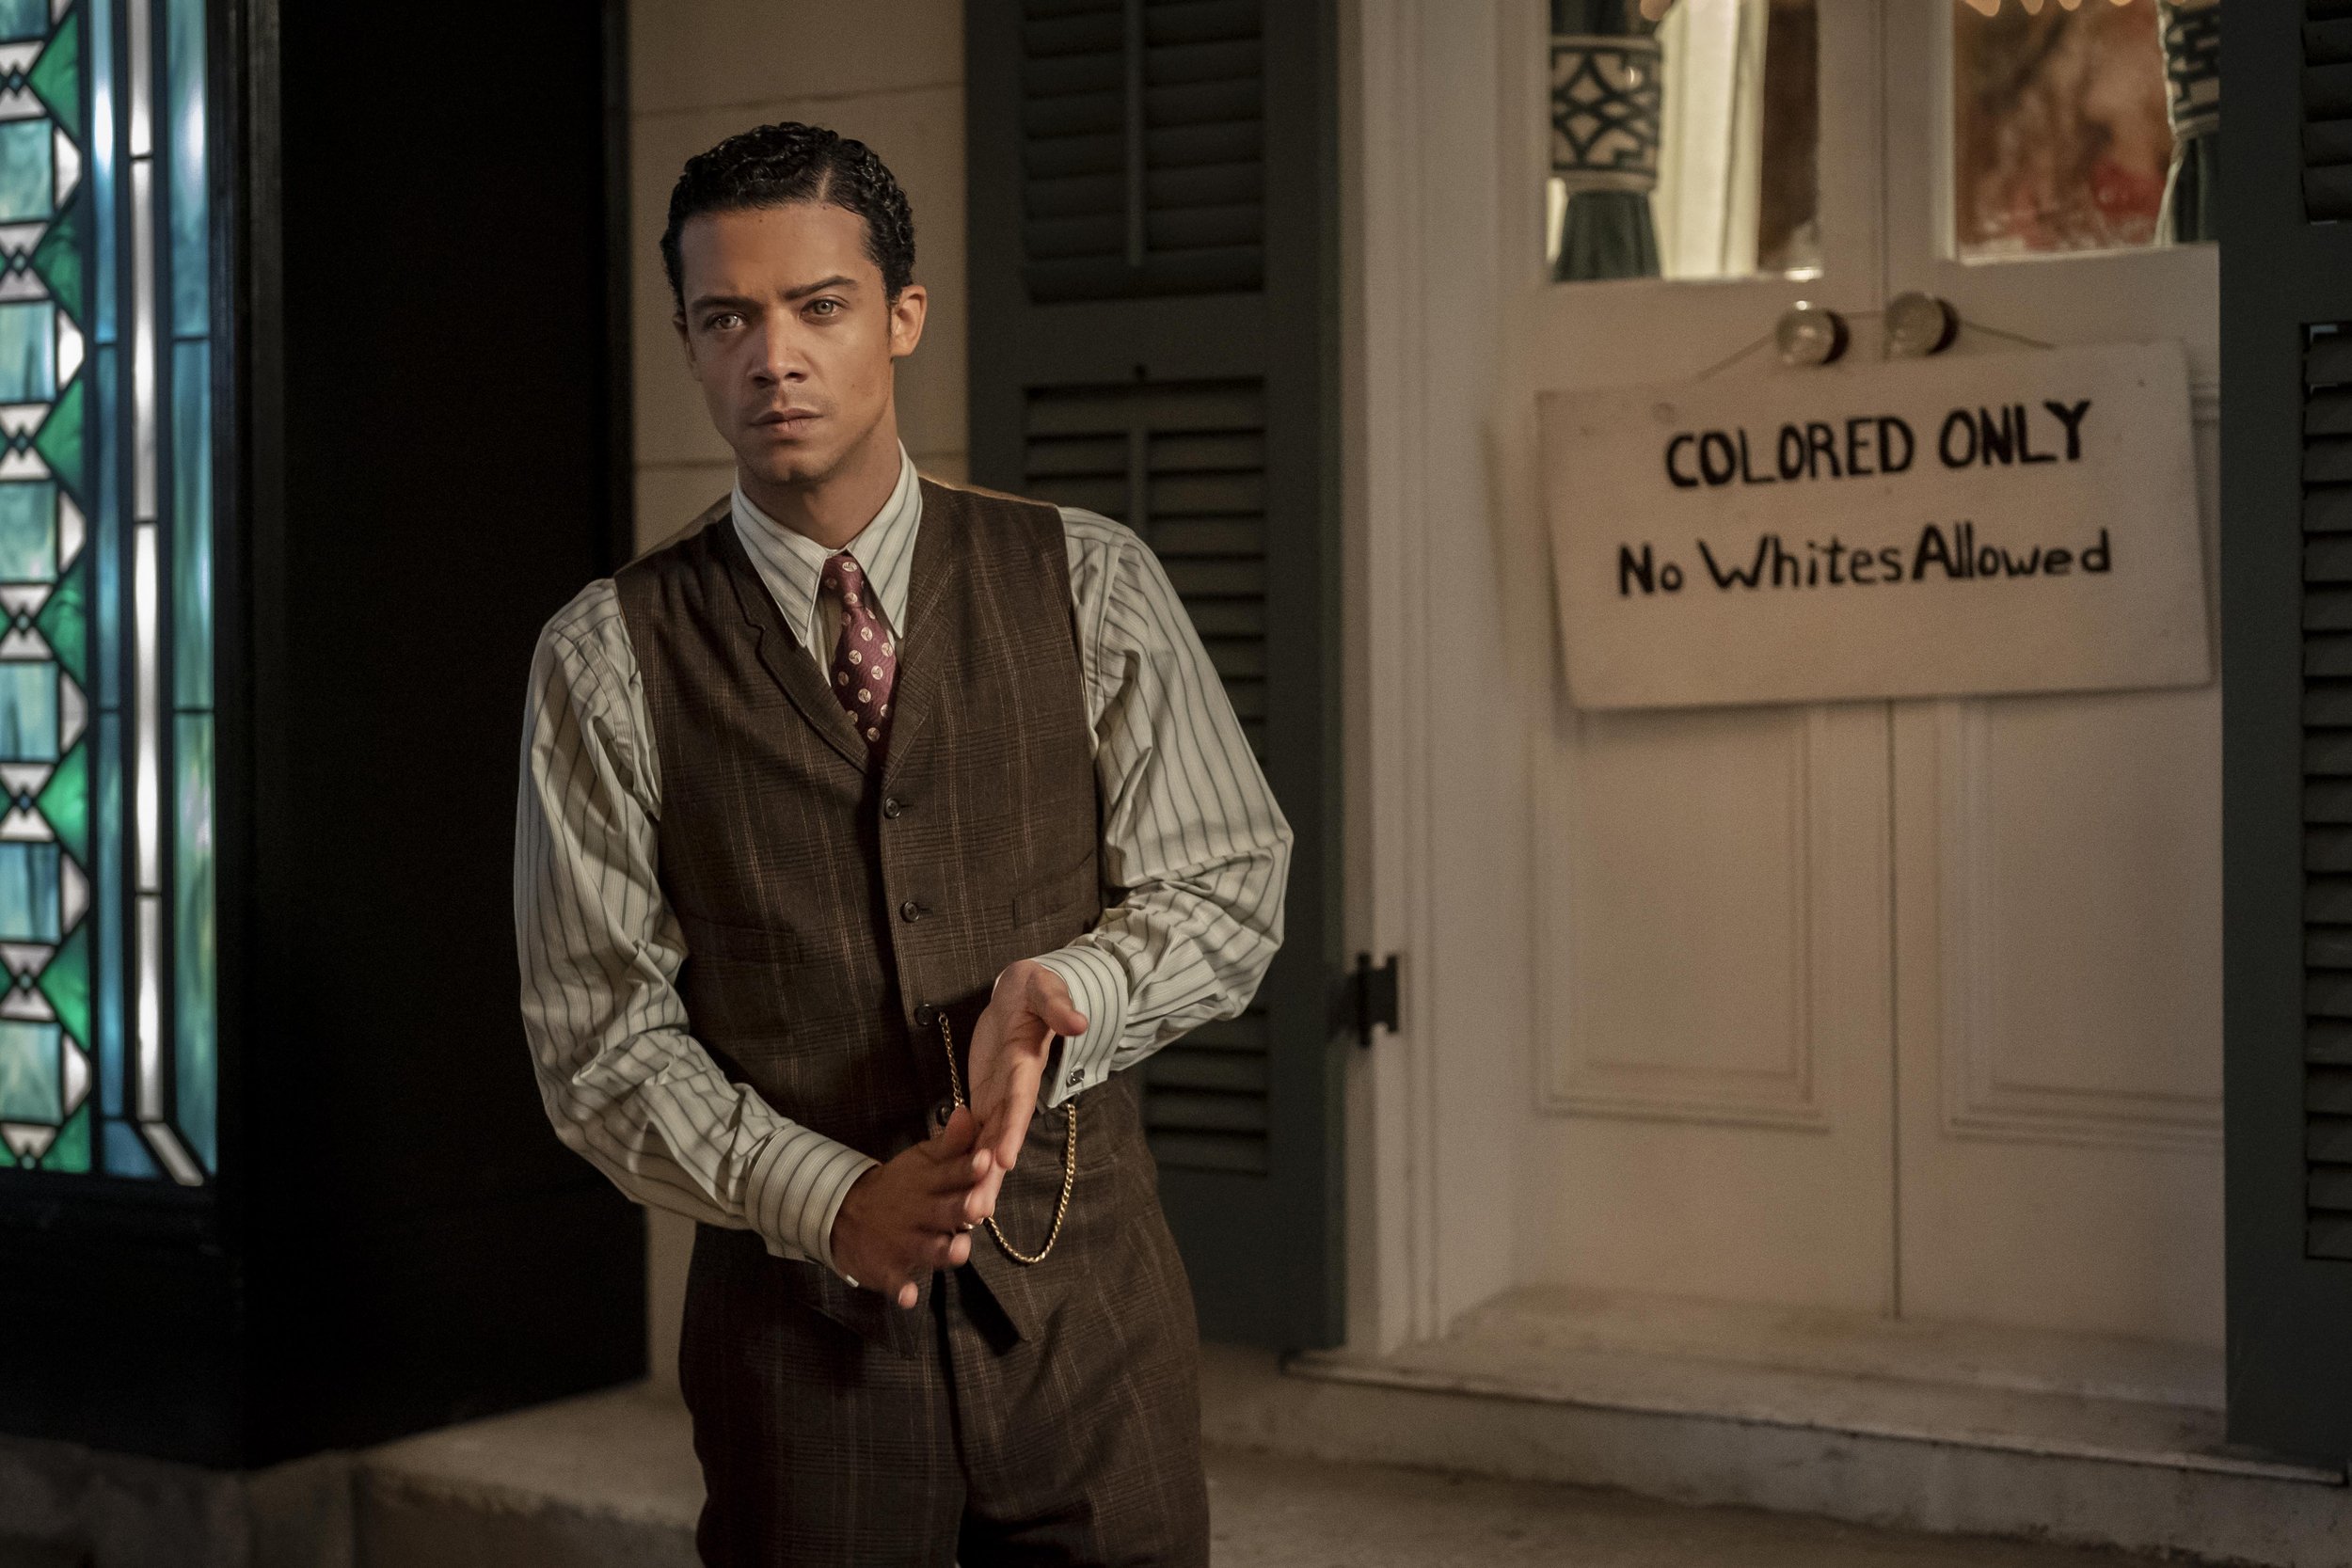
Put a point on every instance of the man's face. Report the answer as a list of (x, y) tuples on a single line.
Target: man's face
[(786, 328)]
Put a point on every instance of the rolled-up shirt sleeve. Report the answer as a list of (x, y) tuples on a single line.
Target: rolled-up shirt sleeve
[(625, 1083), (1196, 854)]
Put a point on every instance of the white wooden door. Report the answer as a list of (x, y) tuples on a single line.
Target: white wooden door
[(1713, 951), (2057, 866), (1902, 1009)]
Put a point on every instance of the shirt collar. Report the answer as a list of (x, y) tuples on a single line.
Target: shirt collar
[(791, 563)]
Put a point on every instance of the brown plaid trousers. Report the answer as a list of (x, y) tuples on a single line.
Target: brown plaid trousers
[(1046, 1414)]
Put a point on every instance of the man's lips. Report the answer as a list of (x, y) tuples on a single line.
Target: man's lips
[(786, 420)]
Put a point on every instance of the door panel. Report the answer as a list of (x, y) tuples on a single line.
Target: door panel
[(1714, 1004)]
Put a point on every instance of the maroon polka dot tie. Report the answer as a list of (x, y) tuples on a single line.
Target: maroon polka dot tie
[(864, 660)]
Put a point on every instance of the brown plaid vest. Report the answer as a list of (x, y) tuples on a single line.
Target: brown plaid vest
[(831, 912)]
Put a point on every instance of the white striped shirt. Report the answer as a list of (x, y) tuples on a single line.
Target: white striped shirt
[(1195, 851)]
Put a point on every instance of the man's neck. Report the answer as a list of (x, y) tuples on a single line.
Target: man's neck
[(836, 509)]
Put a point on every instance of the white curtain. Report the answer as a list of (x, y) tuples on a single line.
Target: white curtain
[(1710, 159)]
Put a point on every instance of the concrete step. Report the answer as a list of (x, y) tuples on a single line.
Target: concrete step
[(609, 1481), (2107, 1443)]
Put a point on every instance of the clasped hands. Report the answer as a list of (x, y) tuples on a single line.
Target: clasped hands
[(914, 1213)]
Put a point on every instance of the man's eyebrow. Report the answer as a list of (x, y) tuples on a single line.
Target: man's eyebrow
[(704, 302), (838, 282)]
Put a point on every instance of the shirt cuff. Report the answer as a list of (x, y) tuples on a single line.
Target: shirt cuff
[(797, 1182), (1097, 988)]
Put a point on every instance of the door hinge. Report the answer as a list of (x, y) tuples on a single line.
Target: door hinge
[(1371, 993)]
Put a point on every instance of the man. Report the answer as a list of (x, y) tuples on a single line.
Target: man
[(869, 834)]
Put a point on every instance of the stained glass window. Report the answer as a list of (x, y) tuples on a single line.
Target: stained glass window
[(107, 1031)]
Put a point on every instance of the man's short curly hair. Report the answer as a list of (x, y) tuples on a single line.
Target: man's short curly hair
[(776, 165)]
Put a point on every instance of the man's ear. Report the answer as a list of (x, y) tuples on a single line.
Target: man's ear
[(685, 339), (906, 320)]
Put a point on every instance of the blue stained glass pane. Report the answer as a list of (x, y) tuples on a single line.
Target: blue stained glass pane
[(102, 161), (192, 524), (125, 1152), (184, 66), (27, 175), (28, 892), (28, 532), (107, 382), (32, 1072), (29, 712), (23, 18), (193, 965), (108, 985), (28, 352)]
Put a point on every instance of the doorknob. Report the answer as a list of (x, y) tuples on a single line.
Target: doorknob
[(1918, 324), (1809, 334)]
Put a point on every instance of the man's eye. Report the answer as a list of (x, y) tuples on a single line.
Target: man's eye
[(721, 321), (825, 307)]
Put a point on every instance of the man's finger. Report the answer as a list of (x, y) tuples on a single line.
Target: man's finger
[(983, 1197), (946, 1167), (1009, 1148), (956, 1138), (907, 1294), (949, 1213), (1006, 1137), (1049, 999)]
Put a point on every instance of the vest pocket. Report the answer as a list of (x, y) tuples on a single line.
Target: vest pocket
[(711, 938), (1056, 892)]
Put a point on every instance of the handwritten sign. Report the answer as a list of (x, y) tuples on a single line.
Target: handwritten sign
[(2015, 522)]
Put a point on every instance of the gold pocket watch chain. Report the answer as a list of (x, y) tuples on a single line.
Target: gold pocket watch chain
[(1069, 1157)]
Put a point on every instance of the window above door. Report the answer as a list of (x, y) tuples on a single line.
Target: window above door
[(1687, 137), (2069, 118)]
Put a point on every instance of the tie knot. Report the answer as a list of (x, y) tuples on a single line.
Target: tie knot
[(841, 572)]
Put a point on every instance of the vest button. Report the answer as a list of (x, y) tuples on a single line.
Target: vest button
[(891, 806), (925, 1015), (909, 911), (940, 1113)]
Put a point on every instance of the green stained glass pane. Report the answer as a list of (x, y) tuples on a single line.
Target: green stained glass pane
[(66, 983), (110, 963), (64, 804), (28, 352), (29, 712), (23, 19), (70, 1152), (28, 532), (65, 622), (58, 261), (60, 440), (28, 892), (27, 170), (56, 76), (192, 524), (32, 1072), (194, 963)]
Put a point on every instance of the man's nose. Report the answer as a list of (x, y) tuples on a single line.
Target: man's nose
[(779, 360)]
